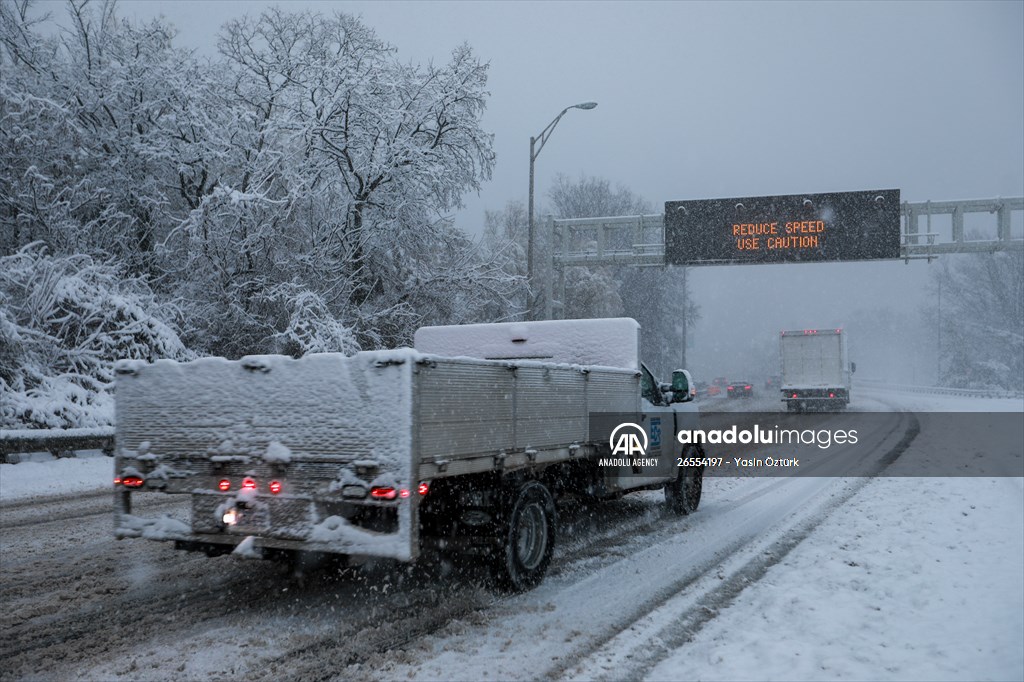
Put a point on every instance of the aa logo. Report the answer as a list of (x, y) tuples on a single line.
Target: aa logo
[(628, 439)]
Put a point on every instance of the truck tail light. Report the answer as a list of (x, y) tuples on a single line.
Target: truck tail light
[(224, 485), (382, 493), (424, 488), (275, 487), (132, 481), (248, 484)]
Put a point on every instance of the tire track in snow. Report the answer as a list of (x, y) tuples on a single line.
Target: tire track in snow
[(580, 616), (660, 641)]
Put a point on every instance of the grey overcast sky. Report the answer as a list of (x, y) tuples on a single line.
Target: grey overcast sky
[(700, 100), (703, 100)]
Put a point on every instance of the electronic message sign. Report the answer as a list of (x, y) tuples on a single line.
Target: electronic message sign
[(797, 228)]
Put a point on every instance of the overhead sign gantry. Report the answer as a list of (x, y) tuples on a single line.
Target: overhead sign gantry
[(651, 240)]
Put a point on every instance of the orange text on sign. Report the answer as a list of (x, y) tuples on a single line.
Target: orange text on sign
[(805, 227)]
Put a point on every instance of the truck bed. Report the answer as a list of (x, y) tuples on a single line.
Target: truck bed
[(330, 429)]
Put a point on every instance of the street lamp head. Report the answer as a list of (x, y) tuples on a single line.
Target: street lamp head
[(585, 105)]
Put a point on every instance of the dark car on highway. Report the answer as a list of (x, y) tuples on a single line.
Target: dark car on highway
[(740, 389)]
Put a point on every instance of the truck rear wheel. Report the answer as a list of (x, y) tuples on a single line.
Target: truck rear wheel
[(682, 494), (526, 538)]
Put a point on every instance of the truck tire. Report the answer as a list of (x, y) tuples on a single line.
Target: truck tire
[(682, 494), (526, 538)]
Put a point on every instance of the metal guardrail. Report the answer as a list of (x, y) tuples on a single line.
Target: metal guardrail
[(58, 442), (942, 390)]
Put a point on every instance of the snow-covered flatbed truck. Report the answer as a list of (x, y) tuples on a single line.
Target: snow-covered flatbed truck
[(461, 445)]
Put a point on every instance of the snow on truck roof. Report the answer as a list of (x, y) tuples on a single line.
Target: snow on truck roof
[(611, 343), (608, 342)]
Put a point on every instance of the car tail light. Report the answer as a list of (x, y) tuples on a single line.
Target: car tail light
[(831, 395), (729, 389), (381, 493), (132, 481), (248, 484), (794, 395), (746, 388), (424, 488), (224, 485), (275, 487), (404, 493), (117, 481)]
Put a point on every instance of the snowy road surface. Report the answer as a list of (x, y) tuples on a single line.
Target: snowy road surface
[(773, 578)]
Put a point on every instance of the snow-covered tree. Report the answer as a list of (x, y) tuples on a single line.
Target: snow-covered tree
[(292, 193), (335, 170), (982, 319), (64, 321), (505, 244), (88, 117)]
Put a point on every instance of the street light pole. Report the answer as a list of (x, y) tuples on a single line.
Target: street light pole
[(534, 152)]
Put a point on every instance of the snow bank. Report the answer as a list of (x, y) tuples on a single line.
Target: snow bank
[(156, 528), (915, 579), (923, 402), (610, 342), (51, 477)]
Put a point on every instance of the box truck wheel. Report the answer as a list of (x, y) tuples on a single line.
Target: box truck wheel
[(526, 537), (682, 494)]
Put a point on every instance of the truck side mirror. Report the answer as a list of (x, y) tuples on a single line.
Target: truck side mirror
[(681, 385), (853, 367)]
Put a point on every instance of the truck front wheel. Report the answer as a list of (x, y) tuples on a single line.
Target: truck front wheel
[(526, 538), (682, 494)]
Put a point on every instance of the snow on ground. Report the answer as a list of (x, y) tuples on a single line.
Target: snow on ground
[(914, 579), (45, 476), (926, 402)]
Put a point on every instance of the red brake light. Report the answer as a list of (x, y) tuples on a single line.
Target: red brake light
[(831, 395), (404, 493), (224, 485), (747, 387), (424, 488), (275, 487), (794, 395), (381, 493), (729, 389), (248, 484), (132, 481)]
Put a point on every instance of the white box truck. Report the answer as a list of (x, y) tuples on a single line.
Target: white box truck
[(463, 444), (815, 369)]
